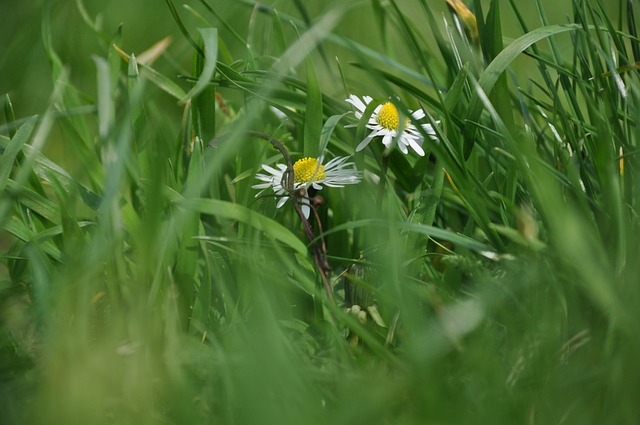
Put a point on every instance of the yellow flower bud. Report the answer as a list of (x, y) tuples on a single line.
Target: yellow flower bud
[(467, 17)]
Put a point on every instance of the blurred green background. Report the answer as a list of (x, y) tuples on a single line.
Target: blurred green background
[(538, 311), (25, 69)]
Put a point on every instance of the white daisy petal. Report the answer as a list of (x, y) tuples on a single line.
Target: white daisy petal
[(331, 184), (364, 143), (403, 146), (261, 186), (416, 147), (335, 162), (282, 201), (357, 103), (271, 170), (263, 178), (387, 139), (428, 128), (306, 209)]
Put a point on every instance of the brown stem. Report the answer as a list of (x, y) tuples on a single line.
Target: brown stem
[(319, 251), (318, 255)]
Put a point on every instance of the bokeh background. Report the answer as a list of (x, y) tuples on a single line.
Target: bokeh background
[(25, 68), (255, 366)]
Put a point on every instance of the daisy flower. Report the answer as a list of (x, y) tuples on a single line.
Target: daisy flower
[(308, 172), (385, 122)]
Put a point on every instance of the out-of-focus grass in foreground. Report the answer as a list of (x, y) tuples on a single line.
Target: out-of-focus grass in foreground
[(492, 280)]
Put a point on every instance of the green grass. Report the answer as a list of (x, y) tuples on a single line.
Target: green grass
[(142, 280)]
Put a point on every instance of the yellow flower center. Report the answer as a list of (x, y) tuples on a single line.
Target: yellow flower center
[(306, 170), (389, 118)]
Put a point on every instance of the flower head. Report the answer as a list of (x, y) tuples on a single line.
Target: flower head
[(308, 172), (386, 121)]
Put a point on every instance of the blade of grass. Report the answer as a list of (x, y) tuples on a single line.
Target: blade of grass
[(161, 81), (202, 94), (633, 31), (496, 68), (500, 97), (313, 114), (183, 28), (237, 212), (9, 115), (15, 146)]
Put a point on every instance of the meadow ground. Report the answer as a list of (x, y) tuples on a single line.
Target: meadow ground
[(395, 212)]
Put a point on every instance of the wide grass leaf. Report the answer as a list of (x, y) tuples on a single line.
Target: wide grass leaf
[(231, 211), (492, 73)]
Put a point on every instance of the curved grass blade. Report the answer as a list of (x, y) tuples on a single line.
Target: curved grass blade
[(43, 166), (210, 41), (161, 81), (20, 230), (224, 22), (327, 130), (36, 202), (13, 149), (492, 73), (231, 211), (423, 229), (183, 29), (203, 92)]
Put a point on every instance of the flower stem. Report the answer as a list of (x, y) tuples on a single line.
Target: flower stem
[(318, 250)]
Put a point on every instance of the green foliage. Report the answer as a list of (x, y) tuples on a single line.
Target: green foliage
[(493, 280)]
